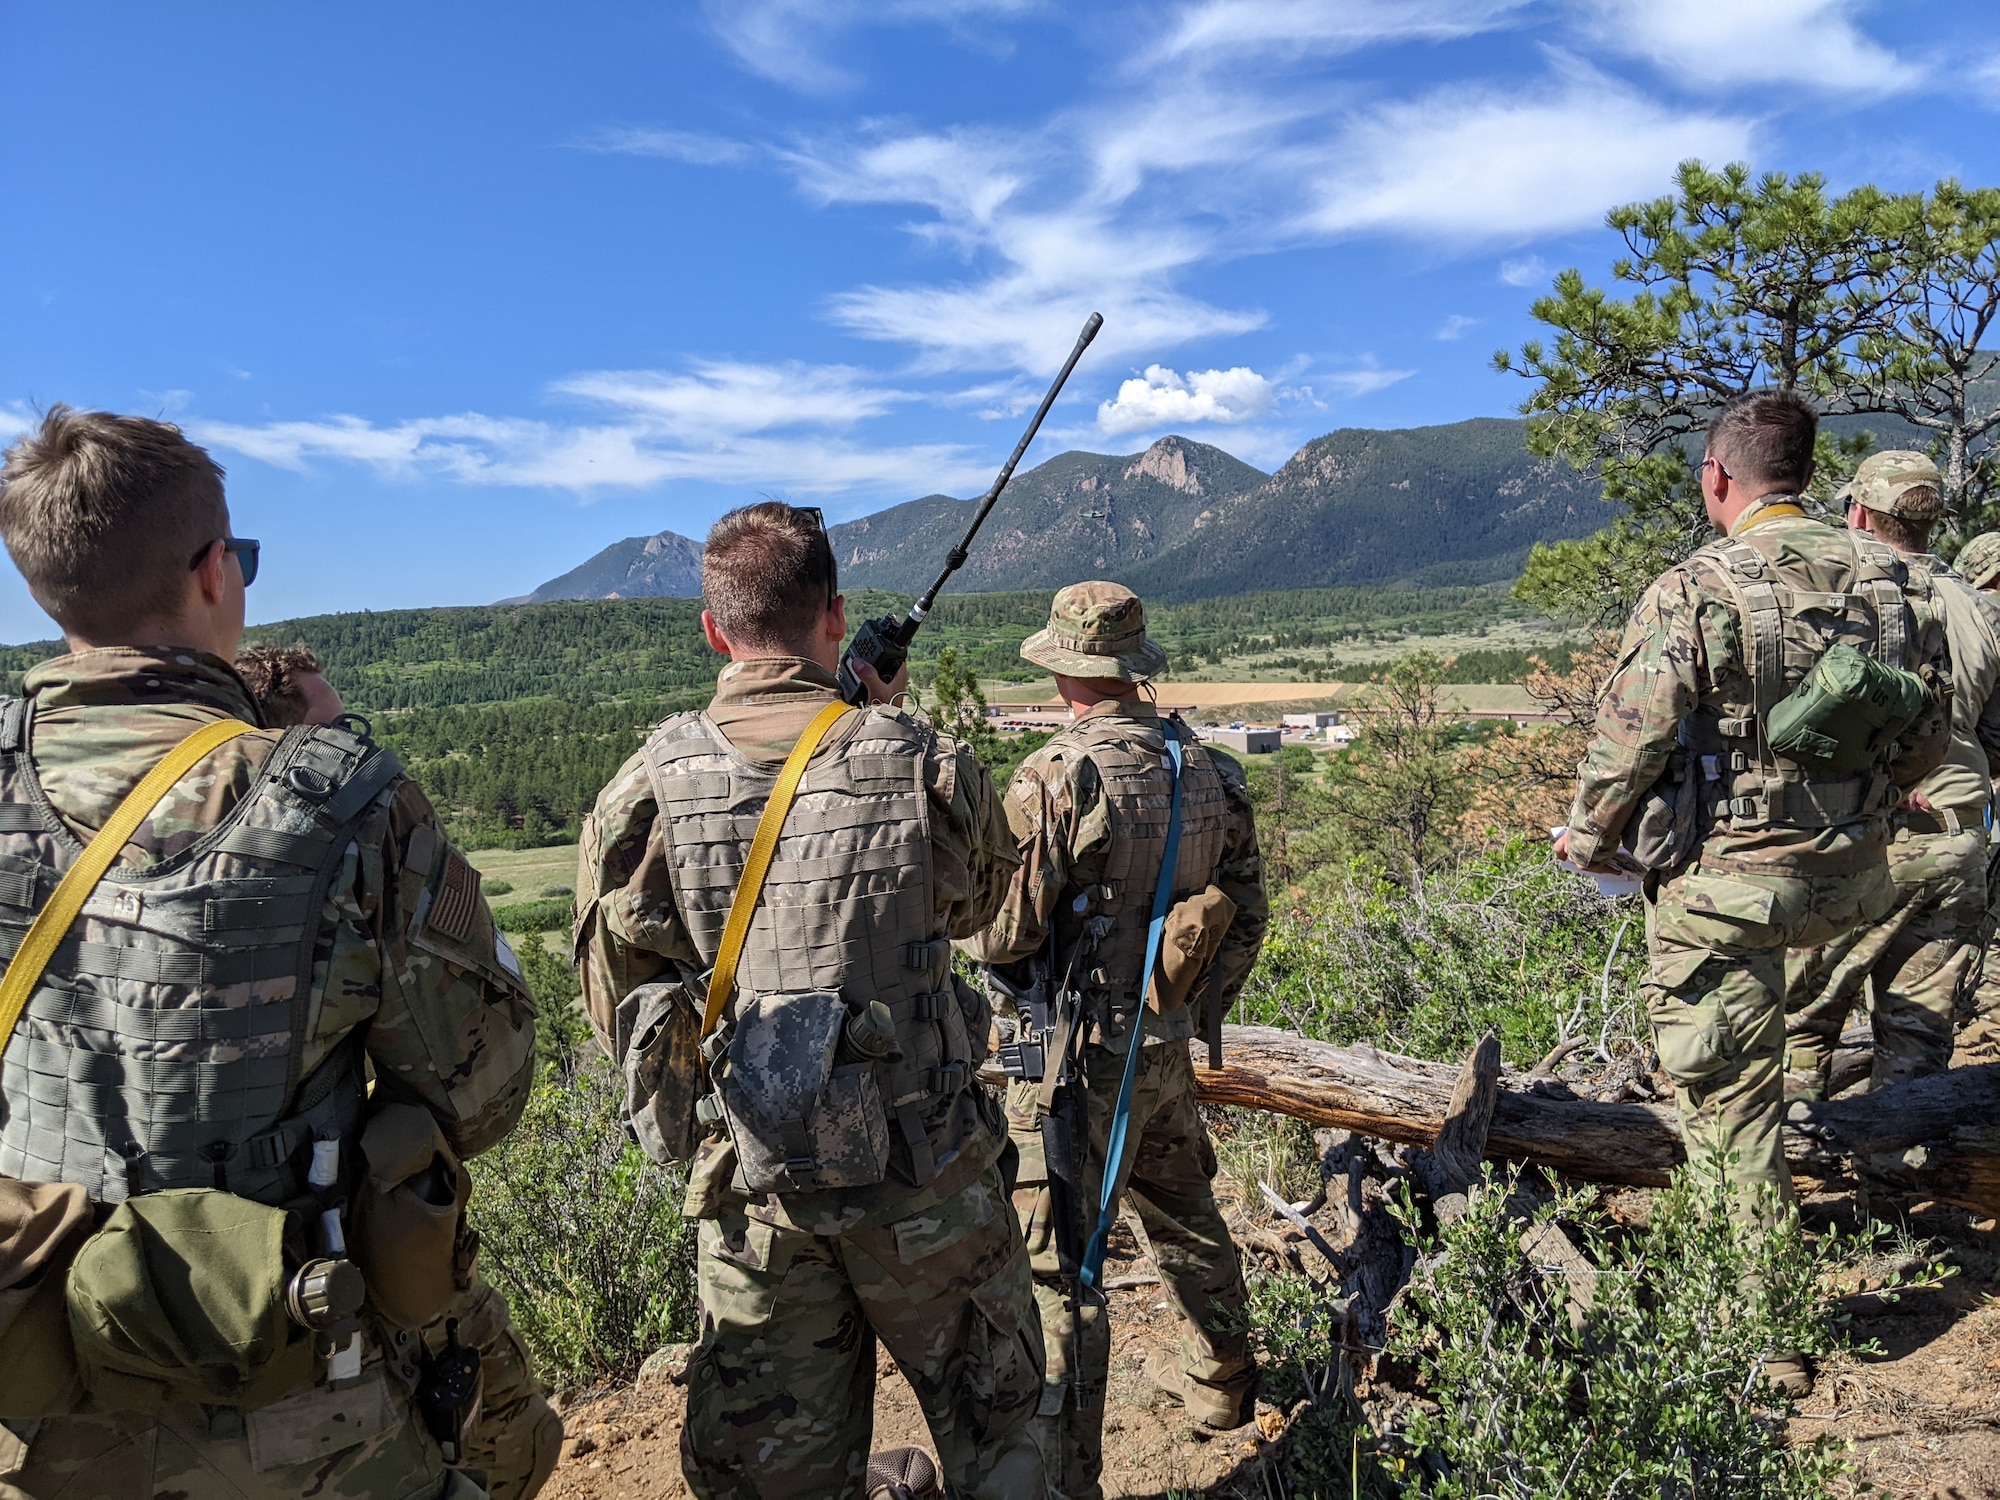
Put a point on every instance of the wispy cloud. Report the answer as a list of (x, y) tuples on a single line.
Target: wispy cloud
[(1523, 270), (787, 426), (693, 146), (790, 42), (1465, 165), (1456, 327), (1165, 398), (1300, 28), (1724, 44), (1362, 379)]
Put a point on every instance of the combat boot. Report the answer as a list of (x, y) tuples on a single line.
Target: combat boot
[(1789, 1373), (1222, 1408), (903, 1474)]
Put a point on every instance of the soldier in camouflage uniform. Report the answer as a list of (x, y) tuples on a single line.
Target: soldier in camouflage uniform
[(101, 514), (1978, 563), (1922, 959), (895, 845), (1750, 853), (1088, 812)]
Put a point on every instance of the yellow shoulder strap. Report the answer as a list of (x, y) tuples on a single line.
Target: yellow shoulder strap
[(52, 922), (742, 906)]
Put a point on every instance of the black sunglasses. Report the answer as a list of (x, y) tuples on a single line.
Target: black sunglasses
[(245, 549)]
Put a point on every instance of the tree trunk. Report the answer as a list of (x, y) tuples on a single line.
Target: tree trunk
[(1938, 1137)]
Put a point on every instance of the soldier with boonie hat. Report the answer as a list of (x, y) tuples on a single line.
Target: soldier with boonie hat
[(1088, 812), (1096, 630)]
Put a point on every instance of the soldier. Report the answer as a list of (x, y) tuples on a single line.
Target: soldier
[(1089, 816), (1751, 851), (284, 922), (1979, 565), (517, 1437), (289, 685), (851, 1185), (1922, 958)]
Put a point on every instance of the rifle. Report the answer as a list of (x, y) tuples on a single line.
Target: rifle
[(884, 643)]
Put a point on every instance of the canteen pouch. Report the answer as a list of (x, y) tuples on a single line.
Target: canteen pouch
[(404, 1232), (42, 1225), (665, 1076), (801, 1119), (1843, 716), (1188, 945), (180, 1296)]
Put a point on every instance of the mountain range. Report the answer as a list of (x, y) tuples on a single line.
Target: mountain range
[(1454, 504)]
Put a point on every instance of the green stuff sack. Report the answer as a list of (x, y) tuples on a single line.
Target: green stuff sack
[(1845, 713), (181, 1297)]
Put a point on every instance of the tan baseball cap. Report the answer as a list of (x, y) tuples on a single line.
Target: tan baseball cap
[(1884, 481), (1979, 563), (1096, 630)]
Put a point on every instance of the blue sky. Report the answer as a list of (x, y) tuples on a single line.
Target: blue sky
[(460, 294)]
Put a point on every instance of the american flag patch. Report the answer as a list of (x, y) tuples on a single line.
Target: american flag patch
[(457, 899)]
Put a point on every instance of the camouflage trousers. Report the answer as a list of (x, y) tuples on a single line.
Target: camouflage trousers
[(1979, 1040), (1921, 962), (1168, 1170), (781, 1391), (1715, 991), (363, 1442)]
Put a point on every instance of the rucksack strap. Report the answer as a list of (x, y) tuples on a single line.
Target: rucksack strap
[(750, 889), (1121, 1114), (53, 921)]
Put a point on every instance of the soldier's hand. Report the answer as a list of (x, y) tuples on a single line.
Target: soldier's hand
[(1919, 802), (1562, 855), (878, 690)]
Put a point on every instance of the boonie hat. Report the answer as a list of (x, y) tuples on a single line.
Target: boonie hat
[(1979, 563), (1884, 481), (1096, 630)]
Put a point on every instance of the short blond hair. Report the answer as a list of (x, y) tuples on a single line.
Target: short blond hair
[(104, 515)]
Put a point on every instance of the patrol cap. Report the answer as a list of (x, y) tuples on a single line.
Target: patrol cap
[(1979, 563), (1096, 630), (1884, 481)]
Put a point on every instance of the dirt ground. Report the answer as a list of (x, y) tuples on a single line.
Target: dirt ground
[(1923, 1415)]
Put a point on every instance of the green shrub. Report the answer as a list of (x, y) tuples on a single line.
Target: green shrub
[(584, 1234), (549, 914), (1654, 1388), (1502, 940), (577, 1227), (494, 886)]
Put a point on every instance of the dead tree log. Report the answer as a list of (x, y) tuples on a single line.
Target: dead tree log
[(1938, 1137)]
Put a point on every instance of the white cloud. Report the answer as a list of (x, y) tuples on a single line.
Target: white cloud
[(1523, 270), (1164, 398), (789, 41), (1726, 44), (1299, 28), (1363, 379), (1455, 327), (1468, 164), (693, 146), (725, 423)]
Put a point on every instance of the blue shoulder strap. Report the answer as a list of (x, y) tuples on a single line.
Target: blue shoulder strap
[(1121, 1114)]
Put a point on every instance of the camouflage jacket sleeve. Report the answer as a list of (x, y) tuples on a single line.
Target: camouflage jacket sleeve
[(1240, 877), (1042, 820), (628, 932), (1987, 727), (1927, 652), (973, 855), (454, 1029), (1677, 640)]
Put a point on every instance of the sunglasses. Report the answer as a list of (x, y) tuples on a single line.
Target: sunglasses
[(245, 549)]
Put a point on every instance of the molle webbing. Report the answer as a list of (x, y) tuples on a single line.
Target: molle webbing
[(1786, 626), (161, 1047), (1131, 763), (847, 899)]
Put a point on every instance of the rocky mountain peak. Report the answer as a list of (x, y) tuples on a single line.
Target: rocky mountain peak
[(1169, 462)]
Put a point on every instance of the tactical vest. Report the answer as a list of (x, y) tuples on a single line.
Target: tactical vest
[(847, 905), (1785, 629), (1131, 760), (162, 1047)]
